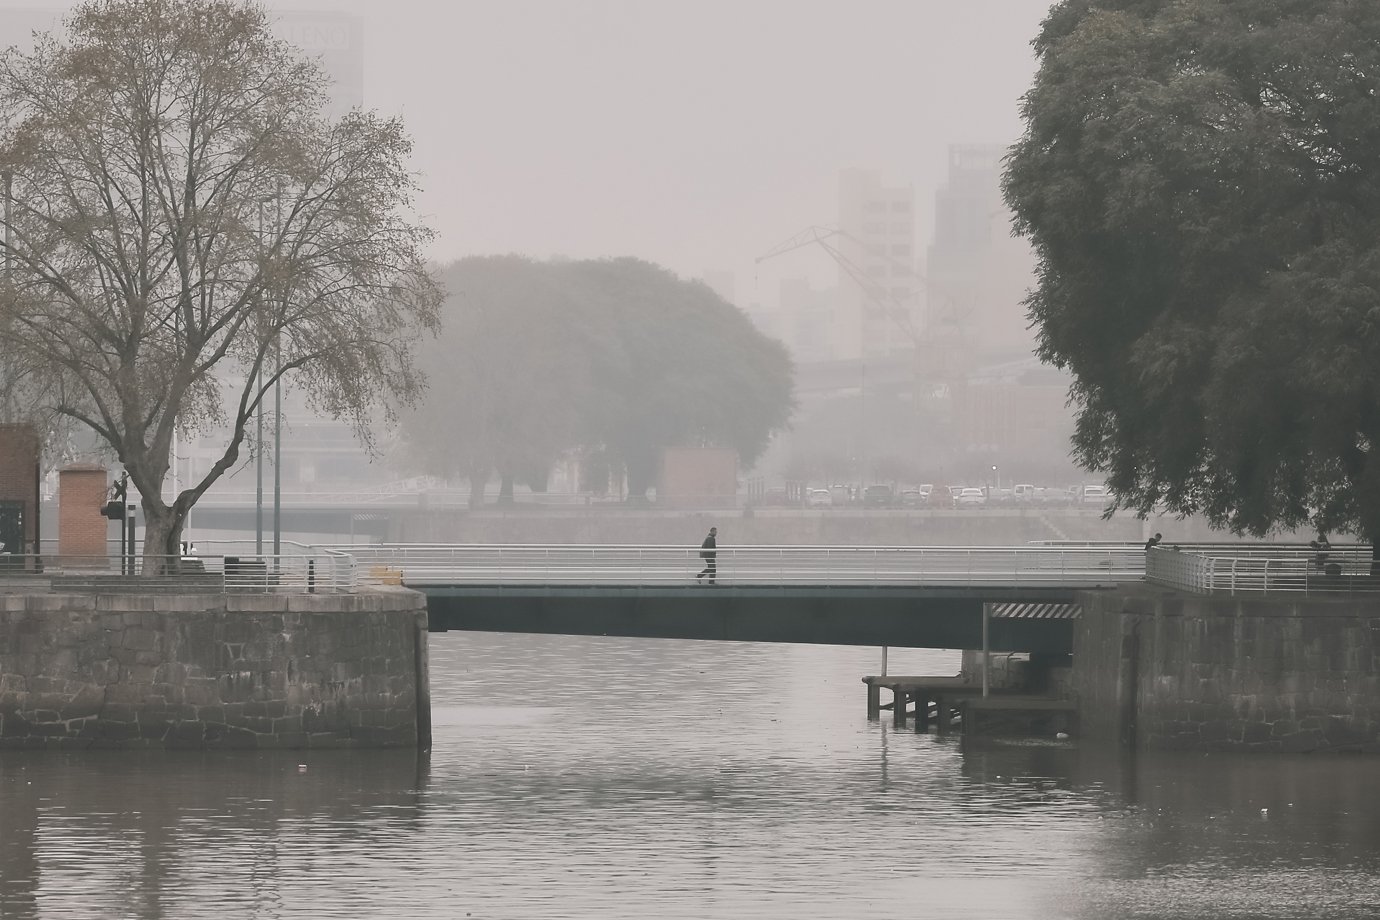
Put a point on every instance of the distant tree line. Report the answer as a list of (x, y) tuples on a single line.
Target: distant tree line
[(616, 359)]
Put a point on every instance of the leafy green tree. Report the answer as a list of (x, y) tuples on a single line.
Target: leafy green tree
[(183, 227), (681, 367), (1201, 182), (617, 358), (510, 375)]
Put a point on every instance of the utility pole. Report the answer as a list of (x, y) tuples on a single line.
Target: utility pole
[(278, 413), (259, 415)]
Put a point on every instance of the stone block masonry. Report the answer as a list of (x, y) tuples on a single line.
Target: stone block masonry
[(213, 671), (1165, 670)]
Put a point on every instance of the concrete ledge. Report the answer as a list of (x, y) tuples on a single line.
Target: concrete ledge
[(213, 671), (1166, 670)]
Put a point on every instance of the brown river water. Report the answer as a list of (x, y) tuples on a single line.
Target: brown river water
[(623, 778)]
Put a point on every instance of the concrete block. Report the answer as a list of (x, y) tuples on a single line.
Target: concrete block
[(211, 715), (288, 725), (255, 603)]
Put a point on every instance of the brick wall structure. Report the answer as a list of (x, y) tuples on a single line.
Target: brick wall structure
[(19, 474), (82, 529)]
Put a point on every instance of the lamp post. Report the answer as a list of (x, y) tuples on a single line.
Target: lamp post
[(259, 420), (278, 414), (996, 476)]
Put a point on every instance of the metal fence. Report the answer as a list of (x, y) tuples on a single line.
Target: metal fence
[(1264, 569), (567, 564), (308, 571)]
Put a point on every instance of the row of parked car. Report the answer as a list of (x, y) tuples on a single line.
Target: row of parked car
[(929, 496)]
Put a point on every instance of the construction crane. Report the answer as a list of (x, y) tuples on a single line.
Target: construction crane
[(897, 310)]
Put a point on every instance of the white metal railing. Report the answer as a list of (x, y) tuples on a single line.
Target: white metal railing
[(575, 564), (1263, 569), (311, 570)]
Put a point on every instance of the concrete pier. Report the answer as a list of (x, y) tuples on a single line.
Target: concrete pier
[(1159, 669), (214, 670)]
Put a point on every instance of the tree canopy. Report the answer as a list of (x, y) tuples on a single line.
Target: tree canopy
[(617, 357), (183, 228), (1201, 183)]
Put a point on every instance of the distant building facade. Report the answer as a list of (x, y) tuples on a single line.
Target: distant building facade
[(1016, 416), (879, 301), (977, 272)]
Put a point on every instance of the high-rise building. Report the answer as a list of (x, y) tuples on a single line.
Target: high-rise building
[(977, 272), (879, 290)]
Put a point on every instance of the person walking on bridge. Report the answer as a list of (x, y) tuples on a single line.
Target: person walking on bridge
[(709, 553)]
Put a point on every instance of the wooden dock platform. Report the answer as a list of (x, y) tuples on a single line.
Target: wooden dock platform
[(937, 695), (939, 699)]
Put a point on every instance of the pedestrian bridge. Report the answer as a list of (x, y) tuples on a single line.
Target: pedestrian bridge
[(913, 596)]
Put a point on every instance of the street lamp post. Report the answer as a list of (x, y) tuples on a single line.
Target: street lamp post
[(278, 415), (259, 421), (996, 476)]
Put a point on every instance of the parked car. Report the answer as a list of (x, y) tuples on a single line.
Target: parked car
[(912, 498), (1096, 495), (778, 497), (878, 496), (970, 498), (819, 498), (926, 491)]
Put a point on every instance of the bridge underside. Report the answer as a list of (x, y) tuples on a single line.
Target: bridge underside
[(907, 617)]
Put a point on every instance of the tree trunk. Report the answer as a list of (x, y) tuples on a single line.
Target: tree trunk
[(477, 484), (162, 537), (505, 489)]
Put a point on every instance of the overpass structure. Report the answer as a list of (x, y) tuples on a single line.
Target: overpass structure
[(908, 596)]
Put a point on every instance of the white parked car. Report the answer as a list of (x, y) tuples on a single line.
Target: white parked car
[(819, 498), (1095, 495), (969, 497)]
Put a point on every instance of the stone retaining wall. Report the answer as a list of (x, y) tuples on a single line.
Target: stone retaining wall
[(1167, 670), (213, 670)]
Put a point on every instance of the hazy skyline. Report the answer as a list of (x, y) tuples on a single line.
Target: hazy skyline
[(695, 135)]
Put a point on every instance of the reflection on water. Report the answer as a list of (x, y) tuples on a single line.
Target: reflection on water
[(587, 777)]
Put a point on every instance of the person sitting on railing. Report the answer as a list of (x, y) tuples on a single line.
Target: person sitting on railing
[(1320, 548)]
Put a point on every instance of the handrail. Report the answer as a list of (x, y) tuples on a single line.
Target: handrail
[(1344, 569), (633, 564), (314, 571)]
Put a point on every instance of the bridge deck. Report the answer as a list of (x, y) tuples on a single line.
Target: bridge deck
[(904, 616), (1025, 566)]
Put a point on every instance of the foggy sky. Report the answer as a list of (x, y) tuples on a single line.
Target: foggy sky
[(694, 133)]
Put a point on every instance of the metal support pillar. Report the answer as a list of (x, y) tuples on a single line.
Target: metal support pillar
[(986, 650)]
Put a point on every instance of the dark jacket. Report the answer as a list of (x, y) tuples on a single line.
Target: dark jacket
[(707, 548)]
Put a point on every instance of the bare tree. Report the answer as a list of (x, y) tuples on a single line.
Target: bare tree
[(183, 227)]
